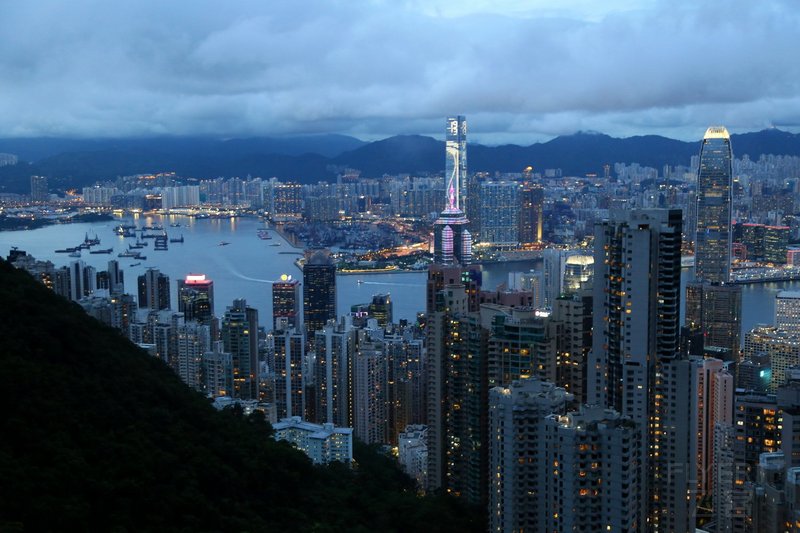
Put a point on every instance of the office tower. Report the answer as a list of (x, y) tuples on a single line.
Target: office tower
[(531, 199), (782, 348), (578, 272), (153, 290), (499, 204), (595, 480), (516, 441), (369, 394), (319, 290), (39, 189), (635, 340), (116, 278), (334, 346), (290, 378), (455, 167), (776, 242), (196, 298), (380, 308), (239, 332), (787, 311), (286, 300), (754, 373), (713, 238), (218, 371), (452, 240), (714, 310), (193, 340)]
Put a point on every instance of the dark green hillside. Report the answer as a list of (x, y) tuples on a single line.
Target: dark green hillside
[(97, 436)]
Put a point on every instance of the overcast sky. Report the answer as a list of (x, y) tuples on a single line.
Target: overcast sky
[(522, 72)]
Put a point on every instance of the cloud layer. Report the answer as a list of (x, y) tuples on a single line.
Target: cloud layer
[(377, 68)]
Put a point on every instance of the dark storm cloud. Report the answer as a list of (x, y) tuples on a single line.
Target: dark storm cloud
[(378, 68)]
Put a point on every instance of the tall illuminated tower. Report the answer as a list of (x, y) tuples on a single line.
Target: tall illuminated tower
[(452, 242), (713, 306), (455, 166), (713, 237)]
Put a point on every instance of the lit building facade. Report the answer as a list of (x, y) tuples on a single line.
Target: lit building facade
[(713, 237), (286, 300), (319, 290)]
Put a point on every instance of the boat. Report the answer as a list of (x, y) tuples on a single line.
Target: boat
[(263, 235), (103, 251), (175, 225), (160, 243), (76, 253), (135, 264), (275, 244), (360, 281), (128, 253), (224, 243), (66, 251), (142, 257), (177, 239)]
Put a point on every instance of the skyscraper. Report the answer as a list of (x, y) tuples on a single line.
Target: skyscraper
[(713, 237), (240, 339), (452, 241), (286, 301), (531, 198), (196, 298), (39, 190), (319, 290), (455, 167), (154, 290), (713, 308), (635, 342)]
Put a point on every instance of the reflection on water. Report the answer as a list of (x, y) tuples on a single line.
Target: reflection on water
[(247, 266)]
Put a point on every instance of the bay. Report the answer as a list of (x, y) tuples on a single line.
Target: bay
[(247, 266)]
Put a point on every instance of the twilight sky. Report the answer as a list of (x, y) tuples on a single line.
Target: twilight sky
[(522, 71)]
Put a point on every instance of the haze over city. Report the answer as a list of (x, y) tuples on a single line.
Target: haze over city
[(523, 71)]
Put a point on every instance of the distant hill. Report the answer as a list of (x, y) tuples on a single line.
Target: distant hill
[(308, 159), (99, 436)]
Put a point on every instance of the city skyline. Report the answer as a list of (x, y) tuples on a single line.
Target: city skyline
[(521, 71)]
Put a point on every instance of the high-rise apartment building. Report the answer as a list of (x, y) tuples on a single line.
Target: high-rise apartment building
[(632, 367), (593, 477), (239, 332), (334, 349), (319, 290), (154, 290), (39, 189), (290, 376), (516, 440), (499, 205), (286, 300)]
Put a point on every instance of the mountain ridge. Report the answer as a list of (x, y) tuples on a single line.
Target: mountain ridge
[(309, 159)]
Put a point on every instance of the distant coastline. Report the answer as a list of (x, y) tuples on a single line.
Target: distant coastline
[(18, 224)]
